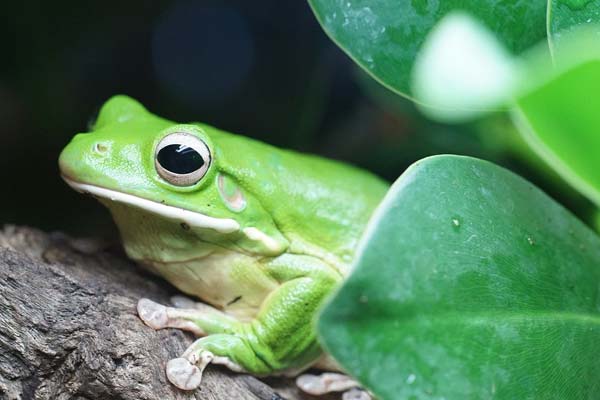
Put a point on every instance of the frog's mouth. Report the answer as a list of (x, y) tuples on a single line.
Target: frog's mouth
[(191, 218)]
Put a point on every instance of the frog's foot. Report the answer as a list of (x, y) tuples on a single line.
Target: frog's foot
[(157, 316), (186, 371), (328, 382), (356, 394), (153, 314)]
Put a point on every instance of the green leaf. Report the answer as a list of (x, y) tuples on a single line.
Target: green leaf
[(563, 15), (384, 36), (470, 283), (561, 122)]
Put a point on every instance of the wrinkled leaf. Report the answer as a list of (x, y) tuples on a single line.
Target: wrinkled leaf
[(470, 283), (561, 122), (384, 36)]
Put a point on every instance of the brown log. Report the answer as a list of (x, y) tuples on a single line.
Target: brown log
[(69, 328)]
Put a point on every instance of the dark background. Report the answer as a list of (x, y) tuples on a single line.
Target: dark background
[(262, 69)]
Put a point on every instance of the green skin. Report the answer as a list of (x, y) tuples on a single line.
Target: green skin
[(267, 288)]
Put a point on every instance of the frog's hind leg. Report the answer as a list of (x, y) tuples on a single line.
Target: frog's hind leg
[(158, 316)]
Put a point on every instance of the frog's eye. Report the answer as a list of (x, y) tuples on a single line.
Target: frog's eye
[(182, 159)]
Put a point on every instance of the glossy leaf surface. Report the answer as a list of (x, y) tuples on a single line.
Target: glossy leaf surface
[(470, 283), (384, 36), (561, 122)]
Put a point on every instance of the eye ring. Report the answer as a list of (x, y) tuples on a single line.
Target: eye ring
[(182, 159)]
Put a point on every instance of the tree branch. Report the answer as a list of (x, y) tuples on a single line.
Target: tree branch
[(69, 328)]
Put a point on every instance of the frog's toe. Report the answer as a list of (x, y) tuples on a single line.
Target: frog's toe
[(356, 394), (183, 374), (153, 314), (311, 384), (328, 382)]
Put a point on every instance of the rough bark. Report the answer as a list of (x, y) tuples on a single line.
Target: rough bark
[(69, 328)]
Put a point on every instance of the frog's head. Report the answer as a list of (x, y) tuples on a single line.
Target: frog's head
[(169, 186)]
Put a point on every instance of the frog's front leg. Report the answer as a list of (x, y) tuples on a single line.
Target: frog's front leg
[(198, 318), (281, 336), (201, 319)]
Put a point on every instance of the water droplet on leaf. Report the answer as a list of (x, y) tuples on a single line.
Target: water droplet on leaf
[(456, 223)]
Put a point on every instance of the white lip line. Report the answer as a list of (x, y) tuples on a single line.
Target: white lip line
[(193, 219)]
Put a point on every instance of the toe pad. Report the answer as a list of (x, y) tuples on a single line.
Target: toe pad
[(183, 374), (153, 314)]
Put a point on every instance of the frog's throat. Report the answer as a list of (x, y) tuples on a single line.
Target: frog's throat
[(191, 218)]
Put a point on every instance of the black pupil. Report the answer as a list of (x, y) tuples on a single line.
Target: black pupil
[(179, 159)]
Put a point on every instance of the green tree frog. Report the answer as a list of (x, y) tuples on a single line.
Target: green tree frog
[(261, 235)]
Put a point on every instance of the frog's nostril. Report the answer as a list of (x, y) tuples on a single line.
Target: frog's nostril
[(101, 148)]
